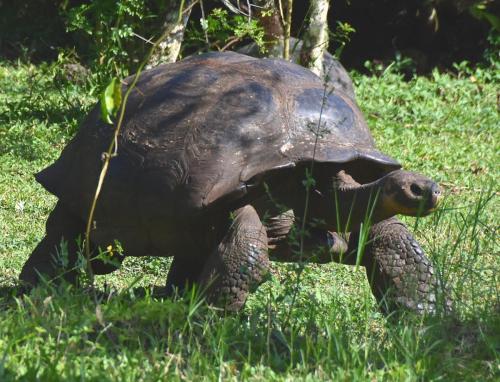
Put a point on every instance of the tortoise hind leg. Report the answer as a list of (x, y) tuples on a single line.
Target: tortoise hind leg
[(46, 261), (183, 273), (100, 267), (399, 273), (239, 263)]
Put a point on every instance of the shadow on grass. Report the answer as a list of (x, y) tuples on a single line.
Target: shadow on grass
[(38, 111), (39, 132), (8, 295)]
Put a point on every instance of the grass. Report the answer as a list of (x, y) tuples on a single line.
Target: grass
[(445, 126)]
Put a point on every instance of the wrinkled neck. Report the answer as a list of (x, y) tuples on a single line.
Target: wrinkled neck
[(358, 204), (345, 206)]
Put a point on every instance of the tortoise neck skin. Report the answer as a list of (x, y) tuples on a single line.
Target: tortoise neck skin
[(359, 204), (343, 207)]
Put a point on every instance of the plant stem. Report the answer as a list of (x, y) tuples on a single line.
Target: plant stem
[(288, 26), (113, 148)]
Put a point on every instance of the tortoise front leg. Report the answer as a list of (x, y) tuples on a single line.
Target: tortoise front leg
[(399, 273), (239, 263)]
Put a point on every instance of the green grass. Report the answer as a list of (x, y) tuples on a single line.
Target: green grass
[(446, 126)]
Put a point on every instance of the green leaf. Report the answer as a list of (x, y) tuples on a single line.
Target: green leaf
[(111, 99)]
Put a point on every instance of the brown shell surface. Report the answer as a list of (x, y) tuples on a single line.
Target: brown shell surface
[(201, 129)]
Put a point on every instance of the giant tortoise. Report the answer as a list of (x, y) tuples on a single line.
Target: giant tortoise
[(220, 155)]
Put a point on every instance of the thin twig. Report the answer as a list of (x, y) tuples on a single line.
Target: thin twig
[(306, 203), (231, 42), (249, 6), (143, 38), (288, 26), (282, 15), (204, 24), (189, 7), (112, 150)]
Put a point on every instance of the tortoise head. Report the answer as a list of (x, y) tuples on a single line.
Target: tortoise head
[(408, 193)]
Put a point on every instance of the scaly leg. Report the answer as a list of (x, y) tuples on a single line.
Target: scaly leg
[(239, 263), (399, 273), (45, 260)]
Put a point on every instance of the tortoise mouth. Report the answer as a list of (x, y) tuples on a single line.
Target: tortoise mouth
[(393, 207)]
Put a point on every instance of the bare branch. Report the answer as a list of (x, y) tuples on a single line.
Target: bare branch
[(174, 26), (316, 37), (288, 26)]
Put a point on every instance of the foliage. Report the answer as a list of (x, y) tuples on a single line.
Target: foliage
[(492, 53), (111, 31), (111, 100), (32, 29), (220, 31), (480, 9), (444, 126), (341, 36)]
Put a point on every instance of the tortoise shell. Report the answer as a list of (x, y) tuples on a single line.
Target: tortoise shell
[(198, 133), (337, 76)]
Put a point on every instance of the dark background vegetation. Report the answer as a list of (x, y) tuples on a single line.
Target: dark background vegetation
[(425, 33)]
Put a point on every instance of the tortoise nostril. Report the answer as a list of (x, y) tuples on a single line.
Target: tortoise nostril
[(416, 189)]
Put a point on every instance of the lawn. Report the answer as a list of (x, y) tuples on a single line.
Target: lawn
[(444, 125)]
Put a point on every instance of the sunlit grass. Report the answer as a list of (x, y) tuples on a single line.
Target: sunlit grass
[(445, 126)]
